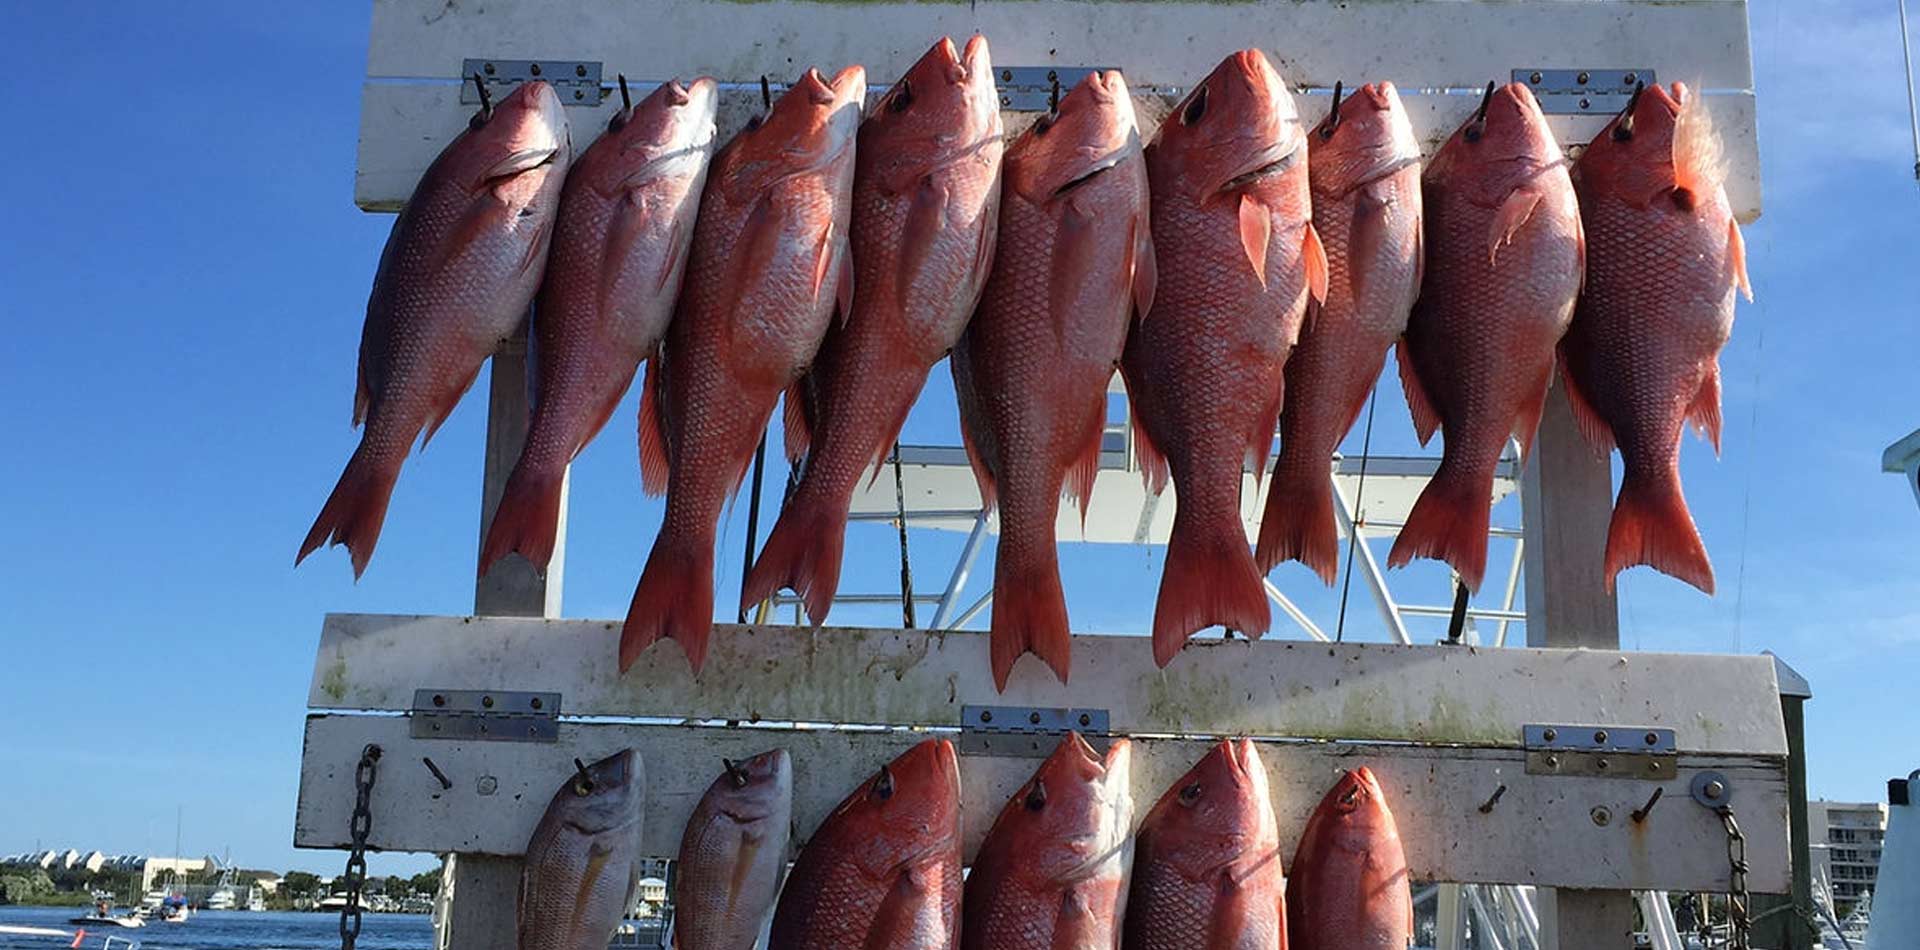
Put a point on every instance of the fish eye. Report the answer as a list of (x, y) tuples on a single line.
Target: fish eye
[(1622, 133), (1045, 123), (902, 98), (1196, 108), (619, 120), (479, 119), (1190, 794), (582, 788), (883, 784), (1037, 796)]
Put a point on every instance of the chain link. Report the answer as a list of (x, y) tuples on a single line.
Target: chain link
[(359, 828), (1739, 920)]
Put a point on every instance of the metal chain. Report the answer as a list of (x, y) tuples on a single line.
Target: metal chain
[(1740, 923), (359, 828)]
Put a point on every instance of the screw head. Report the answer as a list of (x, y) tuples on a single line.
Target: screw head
[(536, 702), (1715, 789), (579, 94), (581, 71), (488, 68), (439, 700), (1653, 738), (1550, 735), (1602, 764), (1033, 718), (486, 701), (1581, 79), (1653, 767), (1086, 720), (535, 69), (1006, 75), (1586, 103), (1535, 78), (487, 785), (1600, 736), (986, 715), (1553, 761), (1630, 79), (1601, 815)]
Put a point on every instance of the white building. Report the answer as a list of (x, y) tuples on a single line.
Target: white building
[(181, 867), (1846, 838)]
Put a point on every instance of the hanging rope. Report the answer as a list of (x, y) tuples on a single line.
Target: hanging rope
[(1359, 497)]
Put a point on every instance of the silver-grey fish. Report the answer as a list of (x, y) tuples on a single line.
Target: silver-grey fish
[(584, 858), (731, 855)]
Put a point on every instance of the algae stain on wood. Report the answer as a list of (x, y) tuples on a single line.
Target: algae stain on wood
[(334, 681)]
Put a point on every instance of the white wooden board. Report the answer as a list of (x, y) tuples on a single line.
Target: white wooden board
[(1542, 831), (403, 126), (1295, 689)]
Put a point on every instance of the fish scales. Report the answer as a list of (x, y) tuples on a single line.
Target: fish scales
[(1348, 888), (583, 861), (732, 854)]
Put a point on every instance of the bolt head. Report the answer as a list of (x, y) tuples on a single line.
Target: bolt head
[(535, 69), (1033, 718), (1600, 736), (1601, 815), (1581, 79), (1535, 78), (1653, 738), (1553, 761), (986, 715), (486, 701), (487, 785), (1630, 79), (581, 71), (1602, 764), (1551, 735), (1715, 789), (536, 702), (439, 700), (1086, 720)]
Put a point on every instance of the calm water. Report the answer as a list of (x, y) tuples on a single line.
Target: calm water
[(227, 930)]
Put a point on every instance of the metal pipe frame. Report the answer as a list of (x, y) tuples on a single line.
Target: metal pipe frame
[(958, 581), (1293, 610), (1376, 581)]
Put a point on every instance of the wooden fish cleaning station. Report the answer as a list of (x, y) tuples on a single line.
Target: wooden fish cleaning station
[(1555, 781)]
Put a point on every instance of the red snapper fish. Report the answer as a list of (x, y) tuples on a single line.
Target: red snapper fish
[(1052, 872), (768, 268), (926, 202), (460, 267), (883, 871), (1643, 356), (1365, 166), (1206, 869), (1074, 259), (619, 252), (732, 853), (1504, 262), (1237, 259), (1348, 889), (583, 860)]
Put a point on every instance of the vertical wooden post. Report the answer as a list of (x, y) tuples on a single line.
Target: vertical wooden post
[(483, 890), (1775, 925), (1567, 500)]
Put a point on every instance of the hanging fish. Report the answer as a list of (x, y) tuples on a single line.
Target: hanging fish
[(768, 269), (731, 855), (619, 251), (584, 858), (460, 267), (1642, 359), (883, 870), (1504, 262), (1365, 168), (1074, 260), (1237, 261), (1052, 872), (926, 202), (1348, 887)]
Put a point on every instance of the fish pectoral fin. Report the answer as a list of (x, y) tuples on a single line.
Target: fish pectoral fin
[(1153, 463), (926, 219), (1143, 267), (1586, 418), (520, 161), (1074, 249), (444, 404), (1314, 254), (797, 417), (655, 463), (843, 292), (753, 256), (1508, 221), (1704, 411), (1256, 228), (911, 913), (1737, 259)]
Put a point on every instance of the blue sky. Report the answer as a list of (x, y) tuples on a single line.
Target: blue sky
[(184, 283)]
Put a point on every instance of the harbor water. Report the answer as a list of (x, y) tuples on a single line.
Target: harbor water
[(225, 930)]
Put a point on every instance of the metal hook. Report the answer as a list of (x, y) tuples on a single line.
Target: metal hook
[(486, 98), (626, 101), (1053, 97), (1480, 114), (584, 777), (1333, 114), (1487, 808), (735, 773), (1640, 814), (446, 784), (1624, 130), (766, 92)]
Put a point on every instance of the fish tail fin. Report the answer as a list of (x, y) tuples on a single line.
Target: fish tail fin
[(356, 510), (1210, 579), (1298, 524), (1449, 523), (674, 600), (1029, 616), (528, 518), (803, 552), (1651, 525)]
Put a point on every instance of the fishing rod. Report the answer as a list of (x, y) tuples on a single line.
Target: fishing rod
[(1913, 113)]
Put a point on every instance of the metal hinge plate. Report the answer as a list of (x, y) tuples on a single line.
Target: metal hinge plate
[(1578, 91), (486, 715), (1027, 731), (1630, 752), (1030, 88), (576, 80)]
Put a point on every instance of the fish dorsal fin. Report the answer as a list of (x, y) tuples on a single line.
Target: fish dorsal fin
[(1699, 159), (1314, 255), (1256, 228), (1508, 221)]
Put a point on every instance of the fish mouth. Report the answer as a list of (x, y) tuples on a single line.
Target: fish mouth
[(615, 769), (978, 61)]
